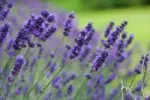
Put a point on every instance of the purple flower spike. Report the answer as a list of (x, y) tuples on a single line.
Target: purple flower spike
[(130, 39), (109, 29), (99, 60), (4, 31), (68, 24), (110, 78), (17, 66)]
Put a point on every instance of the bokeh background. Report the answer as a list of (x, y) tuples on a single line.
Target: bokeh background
[(101, 12)]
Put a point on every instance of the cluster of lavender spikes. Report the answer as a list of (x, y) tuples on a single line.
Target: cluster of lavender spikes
[(32, 61)]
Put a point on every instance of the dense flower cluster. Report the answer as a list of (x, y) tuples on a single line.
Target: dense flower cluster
[(51, 59)]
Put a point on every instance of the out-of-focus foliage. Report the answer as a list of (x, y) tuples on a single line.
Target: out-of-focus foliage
[(99, 4)]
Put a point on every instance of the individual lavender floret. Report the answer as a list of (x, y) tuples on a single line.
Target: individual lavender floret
[(4, 31), (70, 90), (105, 43), (123, 24), (129, 41), (18, 90), (72, 77), (128, 96), (51, 18), (138, 69), (113, 93), (53, 68), (99, 60), (124, 35), (138, 87), (57, 83), (88, 76), (109, 28), (110, 78), (68, 24), (52, 54), (17, 66), (38, 44), (45, 13)]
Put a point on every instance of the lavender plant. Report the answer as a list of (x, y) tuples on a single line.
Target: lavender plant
[(50, 58)]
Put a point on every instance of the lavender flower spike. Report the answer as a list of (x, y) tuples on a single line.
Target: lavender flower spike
[(17, 66)]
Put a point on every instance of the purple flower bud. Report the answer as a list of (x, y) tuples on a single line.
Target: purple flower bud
[(88, 76), (44, 13), (70, 90), (51, 18), (130, 39), (52, 54), (9, 5), (71, 15), (138, 87), (57, 82), (124, 35), (18, 90), (138, 69)]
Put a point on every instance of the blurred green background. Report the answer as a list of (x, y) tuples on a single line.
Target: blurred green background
[(101, 12)]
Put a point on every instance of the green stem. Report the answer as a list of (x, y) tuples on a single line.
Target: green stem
[(80, 88), (132, 81), (44, 89), (122, 90), (39, 79), (143, 76)]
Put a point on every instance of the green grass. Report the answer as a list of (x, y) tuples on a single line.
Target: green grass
[(138, 18)]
